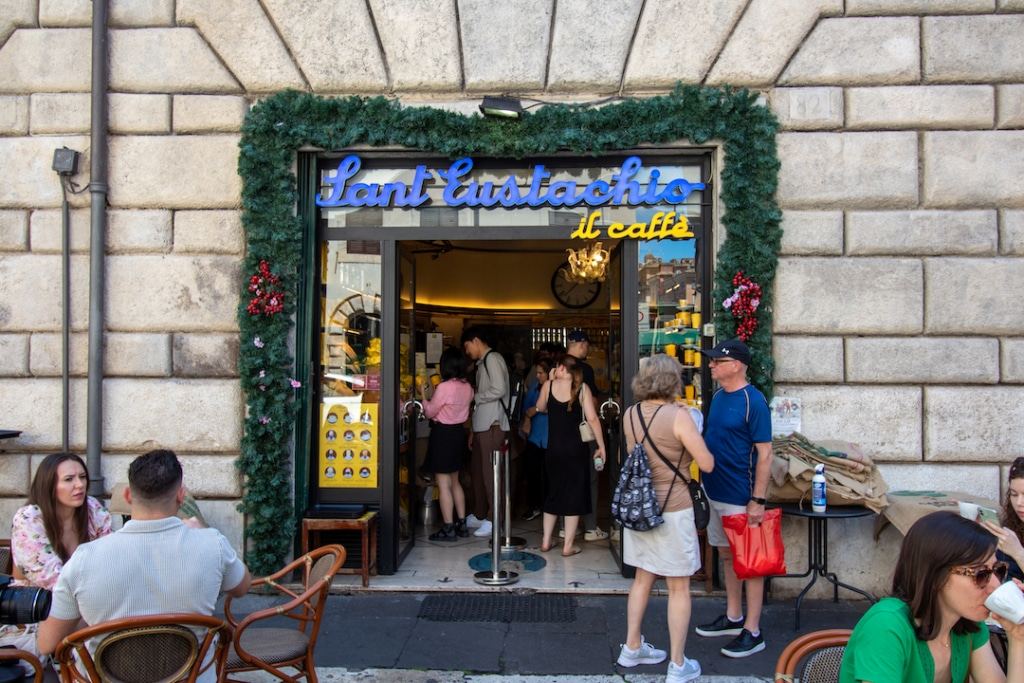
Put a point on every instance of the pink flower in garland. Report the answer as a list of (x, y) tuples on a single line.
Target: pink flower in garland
[(264, 420), (295, 383), (258, 343)]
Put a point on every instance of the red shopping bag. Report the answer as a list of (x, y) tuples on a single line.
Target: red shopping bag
[(756, 550)]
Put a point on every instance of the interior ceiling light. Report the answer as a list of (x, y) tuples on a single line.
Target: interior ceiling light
[(586, 264), (504, 107)]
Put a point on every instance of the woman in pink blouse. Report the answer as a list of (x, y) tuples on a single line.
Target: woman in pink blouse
[(448, 410)]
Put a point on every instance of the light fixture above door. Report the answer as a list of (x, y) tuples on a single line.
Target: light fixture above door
[(586, 264)]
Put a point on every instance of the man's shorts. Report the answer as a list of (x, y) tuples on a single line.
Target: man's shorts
[(716, 533)]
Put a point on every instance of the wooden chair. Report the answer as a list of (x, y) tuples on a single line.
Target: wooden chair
[(823, 651), (160, 648), (10, 654), (264, 648)]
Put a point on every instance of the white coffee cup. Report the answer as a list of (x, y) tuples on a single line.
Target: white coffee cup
[(969, 510), (1008, 602)]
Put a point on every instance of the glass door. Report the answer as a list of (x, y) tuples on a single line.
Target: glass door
[(410, 410), (611, 408)]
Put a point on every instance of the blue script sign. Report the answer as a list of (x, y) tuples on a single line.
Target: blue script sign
[(621, 189)]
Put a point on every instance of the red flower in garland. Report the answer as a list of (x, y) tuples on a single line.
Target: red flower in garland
[(743, 305), (268, 297)]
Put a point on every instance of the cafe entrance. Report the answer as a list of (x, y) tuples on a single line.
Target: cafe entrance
[(395, 285)]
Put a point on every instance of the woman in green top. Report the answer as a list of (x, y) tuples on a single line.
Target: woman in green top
[(932, 628)]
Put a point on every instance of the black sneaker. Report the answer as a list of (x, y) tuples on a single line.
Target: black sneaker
[(445, 533), (744, 645), (722, 626)]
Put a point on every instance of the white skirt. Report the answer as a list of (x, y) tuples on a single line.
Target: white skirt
[(671, 549)]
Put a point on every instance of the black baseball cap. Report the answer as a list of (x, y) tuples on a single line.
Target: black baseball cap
[(730, 348), (578, 335)]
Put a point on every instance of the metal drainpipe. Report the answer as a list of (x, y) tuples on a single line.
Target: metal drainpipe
[(97, 247)]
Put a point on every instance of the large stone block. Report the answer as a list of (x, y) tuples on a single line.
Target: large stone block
[(29, 182), (45, 231), (847, 170), (421, 43), (13, 355), (186, 415), (922, 360), (204, 475), (13, 475), (13, 115), (135, 113), (912, 106), (15, 13), (46, 355), (65, 13), (139, 231), (1010, 5), (33, 405), (142, 13), (808, 359), (36, 278), (1011, 232), (46, 60), (767, 35), (208, 232), (223, 515), (1011, 356), (172, 293), (1010, 99), (808, 108), (125, 354), (848, 296), (858, 51), (976, 49), (341, 29), (246, 40), (812, 233), (976, 479), (209, 113), (972, 424), (968, 296), (13, 230), (203, 168), (877, 7), (505, 64), (206, 355), (870, 233), (166, 60), (973, 168), (575, 64), (885, 421), (60, 113)]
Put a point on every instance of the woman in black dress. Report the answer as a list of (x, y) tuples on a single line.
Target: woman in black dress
[(567, 401)]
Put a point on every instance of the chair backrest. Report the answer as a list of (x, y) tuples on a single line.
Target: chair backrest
[(9, 654), (161, 648), (6, 556), (322, 563), (823, 652)]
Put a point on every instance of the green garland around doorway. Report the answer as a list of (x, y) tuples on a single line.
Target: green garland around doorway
[(279, 126)]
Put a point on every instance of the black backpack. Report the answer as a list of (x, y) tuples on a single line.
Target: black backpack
[(634, 504)]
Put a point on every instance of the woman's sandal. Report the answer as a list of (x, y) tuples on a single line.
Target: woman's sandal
[(576, 550), (545, 550)]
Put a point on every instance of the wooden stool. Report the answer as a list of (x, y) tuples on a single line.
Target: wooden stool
[(367, 527)]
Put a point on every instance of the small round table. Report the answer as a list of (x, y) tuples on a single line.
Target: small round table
[(817, 548)]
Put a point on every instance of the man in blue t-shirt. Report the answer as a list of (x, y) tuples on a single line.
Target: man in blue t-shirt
[(739, 434)]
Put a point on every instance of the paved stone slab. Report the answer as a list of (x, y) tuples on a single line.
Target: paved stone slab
[(588, 48), (871, 233), (245, 39), (1011, 354), (206, 355), (166, 60), (656, 61), (333, 42), (13, 355), (977, 168), (135, 113), (15, 13), (36, 278), (848, 295), (13, 230), (29, 181), (204, 168), (1010, 105), (209, 113), (807, 108), (963, 299), (767, 35), (13, 114), (421, 43), (429, 637), (973, 48), (519, 64), (46, 60), (922, 360), (812, 233), (212, 232), (875, 51), (807, 359), (987, 432), (1011, 232), (917, 107), (847, 170), (876, 7)]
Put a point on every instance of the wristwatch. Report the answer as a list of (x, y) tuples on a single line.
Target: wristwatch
[(759, 501)]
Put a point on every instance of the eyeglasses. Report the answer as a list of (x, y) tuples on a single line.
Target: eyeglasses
[(982, 574), (719, 361)]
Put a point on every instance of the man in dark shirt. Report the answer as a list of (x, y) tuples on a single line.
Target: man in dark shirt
[(579, 347)]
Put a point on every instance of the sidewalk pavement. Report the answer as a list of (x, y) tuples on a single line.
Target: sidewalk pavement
[(381, 637)]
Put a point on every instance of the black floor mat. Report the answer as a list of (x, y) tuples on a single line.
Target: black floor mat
[(503, 607)]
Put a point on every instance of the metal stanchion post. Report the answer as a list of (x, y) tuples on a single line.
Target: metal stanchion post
[(497, 576), (512, 543)]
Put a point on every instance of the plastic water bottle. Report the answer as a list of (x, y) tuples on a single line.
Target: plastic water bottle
[(818, 488)]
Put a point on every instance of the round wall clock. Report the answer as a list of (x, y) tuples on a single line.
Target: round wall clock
[(573, 294)]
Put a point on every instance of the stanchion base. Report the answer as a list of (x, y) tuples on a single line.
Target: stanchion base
[(513, 543), (502, 578)]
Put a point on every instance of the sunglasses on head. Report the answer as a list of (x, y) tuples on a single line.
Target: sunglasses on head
[(982, 574), (1016, 468)]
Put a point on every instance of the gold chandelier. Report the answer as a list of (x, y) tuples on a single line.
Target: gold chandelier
[(586, 264)]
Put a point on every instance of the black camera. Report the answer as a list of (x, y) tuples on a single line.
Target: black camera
[(22, 604)]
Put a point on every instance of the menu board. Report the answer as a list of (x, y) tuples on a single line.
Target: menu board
[(348, 446)]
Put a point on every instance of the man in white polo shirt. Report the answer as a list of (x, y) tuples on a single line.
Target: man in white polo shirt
[(155, 564)]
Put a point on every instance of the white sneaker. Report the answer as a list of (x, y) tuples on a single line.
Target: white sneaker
[(596, 534), (472, 521), (689, 671), (561, 532), (484, 530), (645, 654)]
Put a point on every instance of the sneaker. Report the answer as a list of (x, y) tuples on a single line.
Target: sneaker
[(445, 533), (531, 515), (472, 521), (595, 535), (484, 530), (722, 626), (744, 645), (561, 532), (645, 654), (689, 671)]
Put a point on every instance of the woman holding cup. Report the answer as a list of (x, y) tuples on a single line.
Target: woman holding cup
[(1009, 535)]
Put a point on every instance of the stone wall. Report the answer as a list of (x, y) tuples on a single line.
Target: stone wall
[(902, 145)]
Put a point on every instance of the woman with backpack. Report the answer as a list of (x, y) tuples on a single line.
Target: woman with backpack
[(666, 432)]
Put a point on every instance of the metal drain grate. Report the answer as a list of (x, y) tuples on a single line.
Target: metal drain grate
[(504, 607)]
